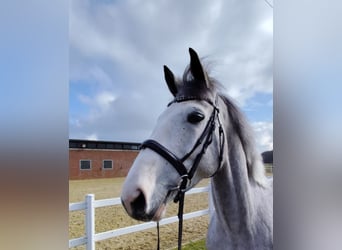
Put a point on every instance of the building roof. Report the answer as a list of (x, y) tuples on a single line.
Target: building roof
[(95, 144), (267, 157)]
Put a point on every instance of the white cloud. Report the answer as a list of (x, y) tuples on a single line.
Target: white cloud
[(75, 123), (100, 101), (267, 25), (84, 99), (100, 106), (103, 100), (263, 135), (118, 49), (91, 137)]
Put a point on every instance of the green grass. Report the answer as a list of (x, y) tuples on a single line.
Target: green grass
[(197, 245)]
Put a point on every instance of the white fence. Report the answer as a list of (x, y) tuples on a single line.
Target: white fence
[(90, 204)]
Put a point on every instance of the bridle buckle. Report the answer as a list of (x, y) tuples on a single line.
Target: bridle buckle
[(184, 183), (182, 187)]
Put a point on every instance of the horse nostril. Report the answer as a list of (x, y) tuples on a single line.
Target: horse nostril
[(139, 206), (139, 203)]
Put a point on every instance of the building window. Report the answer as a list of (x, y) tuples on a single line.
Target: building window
[(85, 164), (107, 164)]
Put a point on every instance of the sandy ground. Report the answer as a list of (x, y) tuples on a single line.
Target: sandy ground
[(109, 218)]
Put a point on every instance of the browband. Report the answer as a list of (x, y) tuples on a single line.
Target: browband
[(190, 98)]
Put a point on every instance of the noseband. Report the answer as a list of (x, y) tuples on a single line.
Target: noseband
[(178, 163)]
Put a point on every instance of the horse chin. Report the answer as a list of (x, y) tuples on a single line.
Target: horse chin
[(159, 214)]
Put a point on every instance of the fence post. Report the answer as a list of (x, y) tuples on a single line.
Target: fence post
[(90, 222)]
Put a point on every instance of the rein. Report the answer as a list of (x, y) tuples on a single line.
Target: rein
[(178, 163)]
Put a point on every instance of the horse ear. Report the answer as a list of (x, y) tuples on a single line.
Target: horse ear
[(170, 80), (196, 67)]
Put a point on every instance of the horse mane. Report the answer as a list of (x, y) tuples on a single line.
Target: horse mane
[(190, 87), (244, 132)]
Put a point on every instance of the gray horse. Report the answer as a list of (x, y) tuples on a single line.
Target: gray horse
[(202, 134)]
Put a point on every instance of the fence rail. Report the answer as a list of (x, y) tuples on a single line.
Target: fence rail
[(90, 204)]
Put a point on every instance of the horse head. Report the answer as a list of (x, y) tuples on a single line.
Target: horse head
[(185, 146)]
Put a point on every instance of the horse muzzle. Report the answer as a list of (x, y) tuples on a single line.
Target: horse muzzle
[(136, 206)]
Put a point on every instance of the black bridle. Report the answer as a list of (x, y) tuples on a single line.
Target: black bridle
[(205, 140)]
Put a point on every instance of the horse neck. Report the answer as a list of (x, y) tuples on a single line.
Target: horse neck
[(233, 192)]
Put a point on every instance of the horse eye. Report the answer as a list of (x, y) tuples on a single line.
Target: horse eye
[(195, 117)]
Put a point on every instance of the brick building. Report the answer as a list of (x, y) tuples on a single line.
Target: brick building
[(100, 159)]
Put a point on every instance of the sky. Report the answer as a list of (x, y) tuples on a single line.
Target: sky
[(118, 48)]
